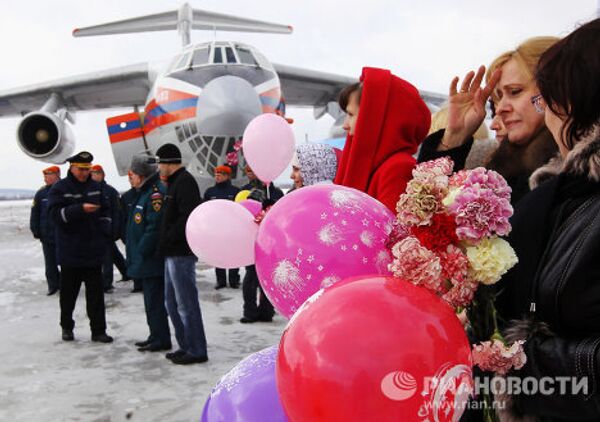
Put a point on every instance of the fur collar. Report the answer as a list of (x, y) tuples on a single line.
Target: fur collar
[(513, 161), (583, 159)]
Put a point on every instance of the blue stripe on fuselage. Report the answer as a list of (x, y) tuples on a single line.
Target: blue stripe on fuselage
[(130, 124), (172, 106)]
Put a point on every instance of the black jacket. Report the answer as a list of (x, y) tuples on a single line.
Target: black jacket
[(183, 196), (223, 190), (111, 195), (551, 298), (40, 224), (81, 238), (258, 192), (126, 204)]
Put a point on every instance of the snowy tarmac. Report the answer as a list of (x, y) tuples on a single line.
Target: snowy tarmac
[(45, 379)]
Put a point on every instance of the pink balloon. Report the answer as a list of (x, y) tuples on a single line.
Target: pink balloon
[(317, 236), (222, 233), (251, 205), (268, 145)]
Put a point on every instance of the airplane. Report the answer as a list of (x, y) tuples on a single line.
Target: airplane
[(202, 101)]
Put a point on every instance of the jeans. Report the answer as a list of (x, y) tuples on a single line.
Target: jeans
[(250, 288), (234, 277), (183, 307), (71, 279), (52, 273), (156, 314)]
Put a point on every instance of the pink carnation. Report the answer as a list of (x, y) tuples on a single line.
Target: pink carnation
[(480, 213), (496, 357), (488, 179), (458, 179), (439, 167), (412, 262), (461, 293)]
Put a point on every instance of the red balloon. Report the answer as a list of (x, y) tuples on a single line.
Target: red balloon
[(374, 349)]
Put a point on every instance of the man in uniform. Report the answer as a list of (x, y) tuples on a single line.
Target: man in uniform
[(83, 227), (113, 254), (143, 261), (223, 189), (181, 294), (42, 228)]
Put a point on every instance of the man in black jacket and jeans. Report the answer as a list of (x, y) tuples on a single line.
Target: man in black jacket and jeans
[(83, 226), (181, 295)]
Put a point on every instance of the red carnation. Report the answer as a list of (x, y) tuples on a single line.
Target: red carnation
[(439, 234)]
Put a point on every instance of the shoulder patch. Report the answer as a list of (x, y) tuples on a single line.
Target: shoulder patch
[(137, 218)]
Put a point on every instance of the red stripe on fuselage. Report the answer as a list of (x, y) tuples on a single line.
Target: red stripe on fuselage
[(126, 135), (170, 117)]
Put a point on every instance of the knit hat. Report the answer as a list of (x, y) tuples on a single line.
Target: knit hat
[(169, 154), (317, 162), (97, 168), (143, 164)]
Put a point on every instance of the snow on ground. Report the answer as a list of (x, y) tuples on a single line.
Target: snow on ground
[(45, 379)]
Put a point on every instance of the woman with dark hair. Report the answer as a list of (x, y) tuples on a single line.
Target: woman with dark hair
[(551, 298)]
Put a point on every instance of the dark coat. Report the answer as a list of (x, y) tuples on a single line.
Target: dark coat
[(111, 195), (551, 298), (40, 224), (126, 205), (182, 197), (258, 192), (81, 238), (143, 230), (223, 190), (515, 163)]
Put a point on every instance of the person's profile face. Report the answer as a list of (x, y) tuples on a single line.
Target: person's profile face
[(351, 113), (296, 176), (249, 173), (514, 90), (498, 127)]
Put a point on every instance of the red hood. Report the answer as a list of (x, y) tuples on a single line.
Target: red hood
[(392, 118)]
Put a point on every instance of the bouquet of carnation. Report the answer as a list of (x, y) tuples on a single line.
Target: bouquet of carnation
[(448, 239)]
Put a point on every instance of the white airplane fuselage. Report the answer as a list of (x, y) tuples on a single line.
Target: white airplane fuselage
[(202, 103)]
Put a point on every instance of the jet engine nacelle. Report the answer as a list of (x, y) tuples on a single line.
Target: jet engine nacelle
[(46, 137)]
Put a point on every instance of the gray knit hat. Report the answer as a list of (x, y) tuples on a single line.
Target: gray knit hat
[(143, 164)]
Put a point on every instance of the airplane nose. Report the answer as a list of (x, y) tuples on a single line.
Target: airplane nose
[(226, 106)]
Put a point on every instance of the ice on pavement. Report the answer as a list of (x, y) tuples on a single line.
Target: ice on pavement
[(45, 379)]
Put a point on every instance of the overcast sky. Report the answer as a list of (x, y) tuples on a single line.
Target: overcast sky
[(425, 42)]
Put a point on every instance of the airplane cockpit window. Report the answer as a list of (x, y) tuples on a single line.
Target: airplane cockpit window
[(218, 58), (230, 55), (246, 56), (200, 56), (183, 61)]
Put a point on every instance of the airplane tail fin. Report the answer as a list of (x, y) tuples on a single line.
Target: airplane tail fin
[(184, 20)]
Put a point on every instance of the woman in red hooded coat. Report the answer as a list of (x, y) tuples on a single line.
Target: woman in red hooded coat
[(387, 120)]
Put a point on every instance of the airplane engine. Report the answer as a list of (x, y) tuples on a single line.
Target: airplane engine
[(46, 137)]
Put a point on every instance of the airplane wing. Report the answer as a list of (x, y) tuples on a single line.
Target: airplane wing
[(119, 87), (310, 88)]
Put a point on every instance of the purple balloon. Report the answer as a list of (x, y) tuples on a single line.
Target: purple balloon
[(317, 236), (247, 393)]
